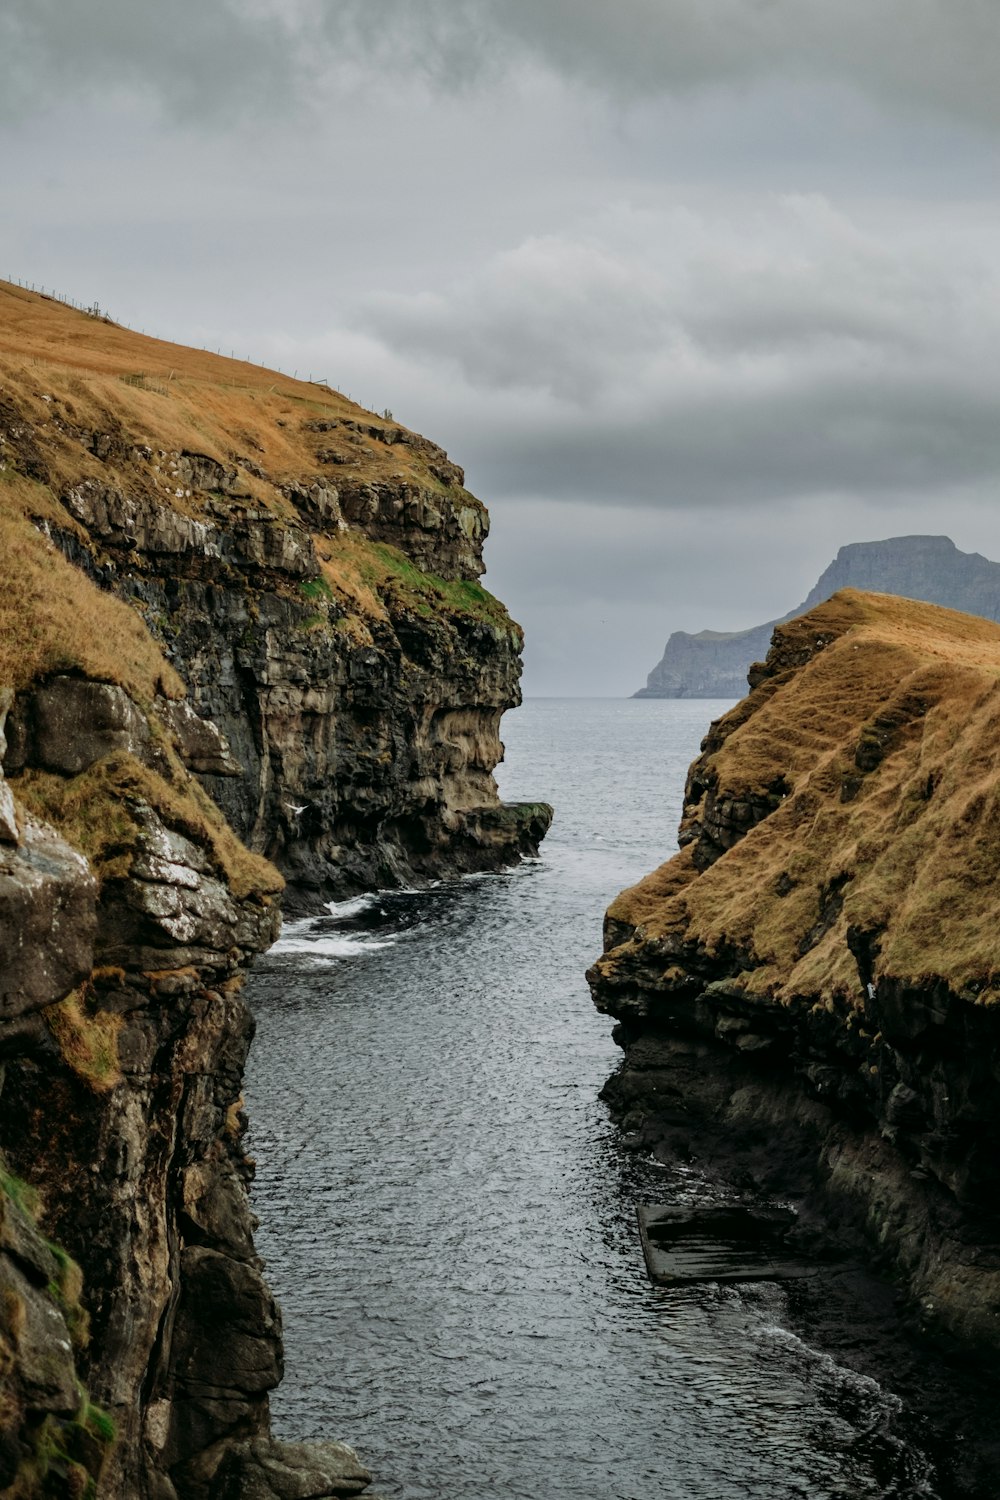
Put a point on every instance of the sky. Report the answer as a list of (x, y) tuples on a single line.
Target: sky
[(697, 291)]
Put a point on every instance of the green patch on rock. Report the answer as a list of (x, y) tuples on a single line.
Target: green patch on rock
[(20, 1193), (315, 588), (63, 1450), (87, 1038), (390, 571)]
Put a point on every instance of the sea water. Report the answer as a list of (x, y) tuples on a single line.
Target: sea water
[(448, 1215)]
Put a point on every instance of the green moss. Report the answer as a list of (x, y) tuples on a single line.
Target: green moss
[(66, 1289), (61, 1457), (20, 1193), (390, 571), (470, 598), (99, 1423), (315, 588), (513, 815), (66, 1458)]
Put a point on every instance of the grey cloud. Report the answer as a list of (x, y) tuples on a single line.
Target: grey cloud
[(797, 443), (203, 55), (938, 53), (718, 363), (190, 57), (933, 54)]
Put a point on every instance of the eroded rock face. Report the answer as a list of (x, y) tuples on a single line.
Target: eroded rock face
[(123, 1039), (312, 577), (806, 995), (68, 723), (40, 1381), (47, 921), (354, 696)]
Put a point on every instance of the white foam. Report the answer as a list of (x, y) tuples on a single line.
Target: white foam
[(826, 1365), (353, 906), (295, 929), (332, 945)]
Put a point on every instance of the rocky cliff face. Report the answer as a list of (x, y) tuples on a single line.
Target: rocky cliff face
[(139, 1340), (714, 664), (230, 602), (310, 571), (809, 992)]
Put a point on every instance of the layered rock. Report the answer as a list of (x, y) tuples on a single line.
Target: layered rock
[(714, 664), (224, 593), (123, 1038), (808, 994), (310, 571)]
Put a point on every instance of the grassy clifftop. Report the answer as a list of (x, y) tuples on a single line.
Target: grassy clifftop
[(77, 373), (855, 790), (84, 401), (306, 572)]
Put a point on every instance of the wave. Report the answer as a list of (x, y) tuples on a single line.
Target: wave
[(328, 945), (352, 907)]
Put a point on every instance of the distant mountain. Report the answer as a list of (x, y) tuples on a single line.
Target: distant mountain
[(714, 663)]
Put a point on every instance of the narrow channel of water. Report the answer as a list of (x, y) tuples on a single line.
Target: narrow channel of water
[(447, 1214)]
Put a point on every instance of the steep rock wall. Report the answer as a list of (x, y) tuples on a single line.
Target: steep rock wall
[(809, 992), (310, 570), (223, 593), (123, 1039)]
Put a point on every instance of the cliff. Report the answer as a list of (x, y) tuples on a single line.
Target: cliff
[(308, 569), (240, 628), (808, 993), (714, 664)]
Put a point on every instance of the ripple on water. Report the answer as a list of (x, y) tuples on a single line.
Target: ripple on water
[(448, 1218)]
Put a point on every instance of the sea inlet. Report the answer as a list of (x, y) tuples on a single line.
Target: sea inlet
[(449, 1218)]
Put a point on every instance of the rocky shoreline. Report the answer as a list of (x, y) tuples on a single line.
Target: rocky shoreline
[(805, 995), (245, 661)]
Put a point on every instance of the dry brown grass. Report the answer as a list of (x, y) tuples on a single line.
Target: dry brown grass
[(94, 812), (919, 845), (87, 1041), (212, 405), (68, 376), (52, 618), (642, 904)]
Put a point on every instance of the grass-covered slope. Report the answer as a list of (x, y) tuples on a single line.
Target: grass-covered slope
[(307, 572), (857, 788), (77, 372), (82, 398)]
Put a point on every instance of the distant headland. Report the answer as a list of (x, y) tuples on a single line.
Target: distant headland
[(714, 664)]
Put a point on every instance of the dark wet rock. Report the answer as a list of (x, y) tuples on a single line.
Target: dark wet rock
[(68, 723), (47, 920), (125, 1107), (40, 1368), (805, 1034), (346, 678), (268, 1470), (353, 744)]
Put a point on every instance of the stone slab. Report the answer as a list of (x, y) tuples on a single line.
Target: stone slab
[(685, 1247)]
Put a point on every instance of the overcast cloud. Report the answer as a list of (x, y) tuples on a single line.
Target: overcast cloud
[(697, 292), (937, 54)]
